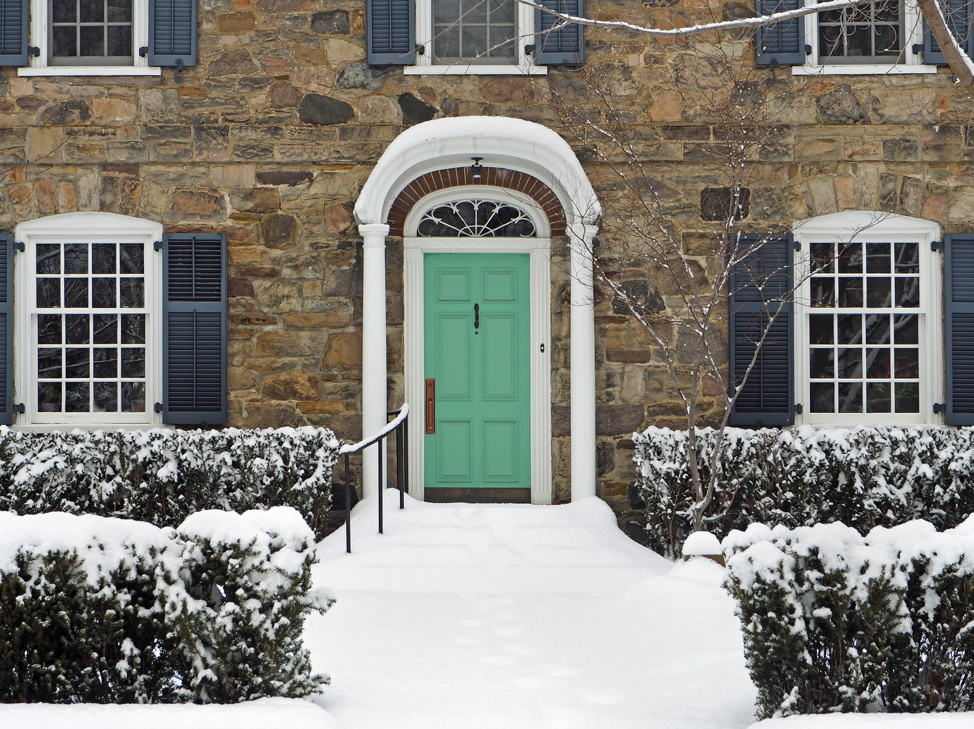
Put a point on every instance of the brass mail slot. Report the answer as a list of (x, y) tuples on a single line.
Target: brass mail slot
[(430, 406)]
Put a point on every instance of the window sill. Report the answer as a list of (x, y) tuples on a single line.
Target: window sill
[(865, 69), (91, 71), (459, 69)]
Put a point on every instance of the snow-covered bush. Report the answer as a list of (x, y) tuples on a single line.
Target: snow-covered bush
[(163, 476), (864, 477), (835, 621), (103, 610)]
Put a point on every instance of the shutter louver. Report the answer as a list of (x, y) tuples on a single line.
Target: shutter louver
[(780, 44), (13, 32), (172, 32), (561, 47), (6, 330), (957, 13), (391, 32), (195, 330), (959, 322), (760, 292)]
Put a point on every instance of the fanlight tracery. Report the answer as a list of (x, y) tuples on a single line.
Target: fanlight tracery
[(475, 219)]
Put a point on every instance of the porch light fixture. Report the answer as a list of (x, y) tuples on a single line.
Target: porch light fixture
[(476, 169)]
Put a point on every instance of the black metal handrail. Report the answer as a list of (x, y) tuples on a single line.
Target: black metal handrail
[(399, 426)]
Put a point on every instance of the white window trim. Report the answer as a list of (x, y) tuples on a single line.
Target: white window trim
[(85, 228), (875, 227), (39, 38), (424, 65), (912, 63)]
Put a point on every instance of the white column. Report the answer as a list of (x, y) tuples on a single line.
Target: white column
[(374, 397), (582, 362)]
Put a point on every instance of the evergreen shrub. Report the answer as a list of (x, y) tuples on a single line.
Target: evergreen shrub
[(162, 476), (863, 477), (835, 621), (102, 610)]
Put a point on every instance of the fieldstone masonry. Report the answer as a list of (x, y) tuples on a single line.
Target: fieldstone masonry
[(270, 138)]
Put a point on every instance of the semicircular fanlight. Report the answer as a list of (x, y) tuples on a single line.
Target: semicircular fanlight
[(475, 219)]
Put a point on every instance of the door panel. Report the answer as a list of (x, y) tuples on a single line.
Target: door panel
[(477, 348)]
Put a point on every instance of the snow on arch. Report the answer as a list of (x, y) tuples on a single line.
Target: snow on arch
[(513, 144)]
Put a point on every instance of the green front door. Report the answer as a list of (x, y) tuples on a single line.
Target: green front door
[(476, 322)]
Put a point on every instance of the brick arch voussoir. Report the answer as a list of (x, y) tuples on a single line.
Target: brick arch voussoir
[(422, 186)]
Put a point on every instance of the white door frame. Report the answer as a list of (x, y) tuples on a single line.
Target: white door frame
[(540, 332)]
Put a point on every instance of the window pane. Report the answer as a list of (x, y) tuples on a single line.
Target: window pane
[(878, 293), (131, 256), (821, 329), (906, 329), (92, 40), (119, 11), (103, 258), (77, 397), (878, 397), (823, 291), (133, 293), (850, 397), (106, 397), (907, 258), (106, 328), (877, 329), (821, 363), (77, 363), (76, 293), (850, 258), (908, 292), (76, 328), (49, 397), (822, 258), (877, 258), (76, 258), (49, 329), (823, 397), (850, 363), (48, 258), (850, 329), (474, 41), (92, 11), (103, 293), (473, 11), (446, 11), (64, 11), (133, 397), (106, 362), (907, 397), (907, 363), (133, 362), (850, 292), (48, 293), (877, 363), (133, 329), (48, 363), (120, 40)]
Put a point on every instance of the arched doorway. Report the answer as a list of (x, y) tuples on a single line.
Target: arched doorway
[(532, 176)]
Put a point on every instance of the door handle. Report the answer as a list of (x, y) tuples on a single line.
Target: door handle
[(430, 406), (476, 316)]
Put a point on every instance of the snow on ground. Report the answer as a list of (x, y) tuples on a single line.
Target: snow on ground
[(261, 714), (468, 616), (871, 721)]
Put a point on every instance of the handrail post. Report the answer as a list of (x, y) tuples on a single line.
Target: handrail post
[(348, 510), (405, 461)]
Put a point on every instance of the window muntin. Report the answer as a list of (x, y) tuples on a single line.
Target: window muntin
[(89, 327), (863, 328), (868, 324), (91, 32), (475, 219), (864, 34), (482, 31)]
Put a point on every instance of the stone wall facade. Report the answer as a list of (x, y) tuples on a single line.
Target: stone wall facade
[(271, 137)]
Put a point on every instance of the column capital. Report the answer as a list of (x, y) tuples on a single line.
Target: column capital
[(584, 231), (373, 233)]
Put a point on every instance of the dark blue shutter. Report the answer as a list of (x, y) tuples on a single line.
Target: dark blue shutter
[(194, 329), (959, 322), (172, 32), (561, 47), (761, 286), (780, 44), (13, 32), (391, 32), (957, 13), (6, 329)]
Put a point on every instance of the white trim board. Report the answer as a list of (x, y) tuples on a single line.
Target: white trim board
[(540, 333)]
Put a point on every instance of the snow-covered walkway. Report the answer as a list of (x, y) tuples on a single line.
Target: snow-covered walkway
[(515, 616)]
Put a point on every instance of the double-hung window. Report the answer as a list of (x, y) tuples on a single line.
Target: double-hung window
[(113, 323), (97, 37), (884, 37), (472, 36)]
